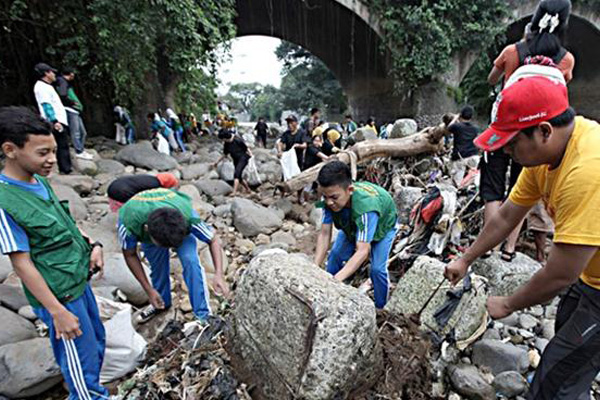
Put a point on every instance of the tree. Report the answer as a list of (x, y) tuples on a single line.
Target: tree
[(241, 96), (307, 82), (268, 104)]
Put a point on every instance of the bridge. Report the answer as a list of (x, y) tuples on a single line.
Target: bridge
[(347, 38)]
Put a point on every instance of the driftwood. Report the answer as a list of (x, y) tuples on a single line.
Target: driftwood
[(429, 140)]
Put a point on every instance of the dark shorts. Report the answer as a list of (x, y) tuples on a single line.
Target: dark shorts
[(262, 137), (240, 165), (571, 360), (493, 175)]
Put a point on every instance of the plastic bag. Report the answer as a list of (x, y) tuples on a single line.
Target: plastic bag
[(253, 176), (163, 145), (289, 164), (125, 348)]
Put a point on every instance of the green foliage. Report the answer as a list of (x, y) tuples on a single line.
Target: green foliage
[(423, 35), (268, 104)]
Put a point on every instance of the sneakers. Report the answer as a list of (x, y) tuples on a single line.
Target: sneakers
[(148, 313), (85, 156)]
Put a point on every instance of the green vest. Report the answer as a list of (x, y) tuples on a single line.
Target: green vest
[(134, 213), (368, 197), (58, 250)]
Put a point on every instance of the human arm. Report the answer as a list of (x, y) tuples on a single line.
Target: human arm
[(65, 323), (51, 116), (96, 255), (323, 241), (494, 76), (494, 231), (361, 254), (565, 264), (322, 156), (135, 266)]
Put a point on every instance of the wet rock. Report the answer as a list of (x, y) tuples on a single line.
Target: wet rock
[(510, 384), (250, 219), (5, 267), (418, 284), (195, 171), (362, 134), (500, 357), (33, 377), (111, 167), (403, 127), (14, 328), (12, 297), (116, 273), (143, 155), (468, 381), (213, 188), (82, 184), (405, 200), (274, 339), (77, 206), (506, 277)]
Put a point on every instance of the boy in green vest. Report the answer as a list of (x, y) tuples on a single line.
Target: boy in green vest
[(53, 258), (366, 216), (163, 219)]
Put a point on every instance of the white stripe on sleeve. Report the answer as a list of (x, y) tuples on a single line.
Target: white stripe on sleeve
[(9, 239)]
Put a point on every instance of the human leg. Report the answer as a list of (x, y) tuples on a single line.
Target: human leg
[(159, 270), (380, 252), (63, 155), (80, 359), (74, 128), (341, 251), (194, 277)]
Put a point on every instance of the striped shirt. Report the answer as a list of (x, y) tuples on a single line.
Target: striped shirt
[(129, 241), (369, 221)]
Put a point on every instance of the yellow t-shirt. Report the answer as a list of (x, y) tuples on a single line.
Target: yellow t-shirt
[(570, 193)]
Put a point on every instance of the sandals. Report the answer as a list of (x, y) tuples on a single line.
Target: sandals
[(508, 256)]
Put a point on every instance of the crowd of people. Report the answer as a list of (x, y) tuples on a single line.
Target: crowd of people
[(553, 156)]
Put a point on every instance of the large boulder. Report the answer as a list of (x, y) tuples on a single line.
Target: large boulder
[(213, 188), (250, 219), (111, 167), (116, 273), (82, 184), (5, 267), (105, 231), (499, 357), (143, 155), (405, 199), (27, 368), (468, 381), (420, 282), (403, 127), (294, 326), (12, 297), (14, 328), (364, 133), (506, 277), (86, 167), (226, 171), (195, 171), (77, 206)]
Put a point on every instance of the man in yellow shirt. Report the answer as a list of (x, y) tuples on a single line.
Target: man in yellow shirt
[(534, 124)]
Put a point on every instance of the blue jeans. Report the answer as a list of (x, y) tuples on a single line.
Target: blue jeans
[(80, 359), (179, 138), (130, 134), (193, 274), (77, 130), (343, 249)]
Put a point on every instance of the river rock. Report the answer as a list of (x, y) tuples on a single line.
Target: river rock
[(27, 368), (143, 155), (468, 381), (273, 339), (116, 273), (226, 171), (5, 267), (364, 133), (14, 328), (283, 237), (403, 127), (195, 171), (12, 297), (86, 167), (213, 188), (192, 191), (510, 384), (104, 230), (418, 284), (27, 313), (526, 321), (499, 357), (82, 184), (203, 208), (506, 277), (222, 211), (284, 205), (111, 167), (77, 206), (405, 200), (207, 262), (250, 219)]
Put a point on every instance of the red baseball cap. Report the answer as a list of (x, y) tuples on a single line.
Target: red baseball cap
[(526, 103)]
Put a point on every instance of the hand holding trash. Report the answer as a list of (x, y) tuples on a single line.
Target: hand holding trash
[(456, 270)]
